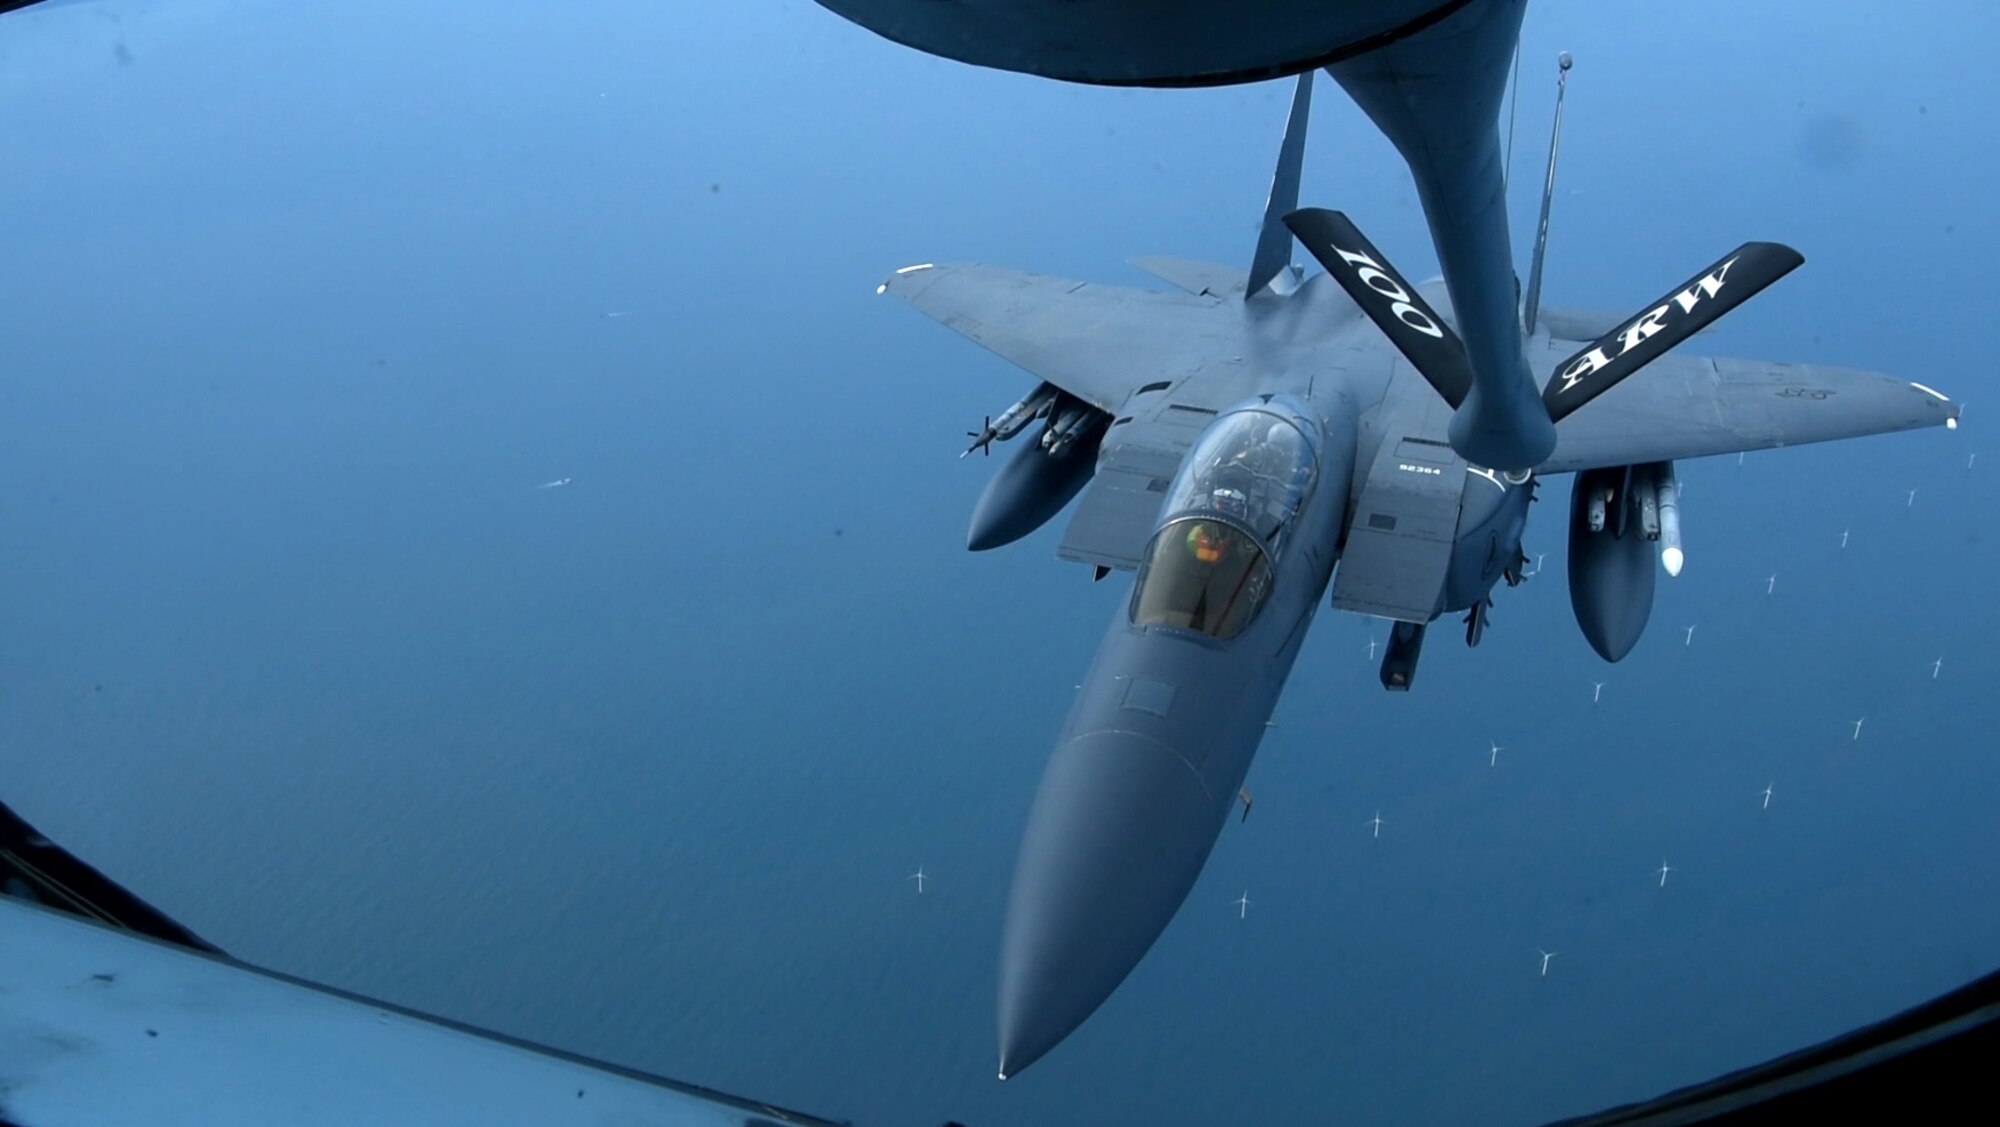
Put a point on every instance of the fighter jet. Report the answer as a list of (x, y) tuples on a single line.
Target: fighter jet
[(1240, 437)]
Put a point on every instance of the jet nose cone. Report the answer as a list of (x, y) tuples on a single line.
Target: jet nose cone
[(1116, 837), (992, 529)]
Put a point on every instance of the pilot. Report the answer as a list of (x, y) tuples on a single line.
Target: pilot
[(1287, 462), (1207, 541), (1230, 501), (1281, 444)]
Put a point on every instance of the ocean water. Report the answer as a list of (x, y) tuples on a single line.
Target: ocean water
[(305, 301)]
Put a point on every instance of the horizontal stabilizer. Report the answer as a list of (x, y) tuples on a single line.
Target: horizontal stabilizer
[(1684, 311), (1203, 279), (1387, 298)]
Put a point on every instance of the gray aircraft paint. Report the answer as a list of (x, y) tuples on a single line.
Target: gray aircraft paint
[(1133, 798)]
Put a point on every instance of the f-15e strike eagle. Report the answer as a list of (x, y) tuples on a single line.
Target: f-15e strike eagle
[(1241, 438)]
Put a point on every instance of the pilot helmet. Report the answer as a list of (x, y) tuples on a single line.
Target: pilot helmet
[(1230, 501)]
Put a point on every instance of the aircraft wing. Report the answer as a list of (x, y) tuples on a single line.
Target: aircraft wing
[(1099, 343), (1693, 406), (89, 967)]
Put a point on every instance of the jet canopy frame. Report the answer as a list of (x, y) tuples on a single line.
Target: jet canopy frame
[(1226, 518), (1255, 466), (1204, 575)]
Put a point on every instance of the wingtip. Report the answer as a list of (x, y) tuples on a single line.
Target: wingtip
[(902, 272), (1953, 409)]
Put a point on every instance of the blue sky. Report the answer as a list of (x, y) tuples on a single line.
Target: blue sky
[(303, 300)]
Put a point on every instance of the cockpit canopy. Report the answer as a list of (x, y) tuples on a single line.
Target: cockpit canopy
[(1253, 466), (1225, 517), (1201, 575)]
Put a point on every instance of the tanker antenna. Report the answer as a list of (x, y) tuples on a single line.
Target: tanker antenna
[(1513, 112), (1548, 193)]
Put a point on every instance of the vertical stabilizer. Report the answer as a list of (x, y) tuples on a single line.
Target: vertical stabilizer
[(1274, 241)]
